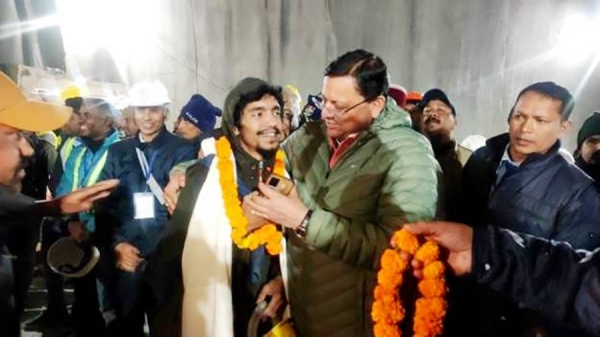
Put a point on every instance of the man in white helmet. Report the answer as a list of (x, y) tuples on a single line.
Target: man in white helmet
[(135, 216)]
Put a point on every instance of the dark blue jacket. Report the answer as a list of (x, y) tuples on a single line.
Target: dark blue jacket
[(115, 216), (561, 285), (546, 196)]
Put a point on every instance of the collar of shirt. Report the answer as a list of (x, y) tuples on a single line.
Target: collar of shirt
[(339, 147), (506, 157)]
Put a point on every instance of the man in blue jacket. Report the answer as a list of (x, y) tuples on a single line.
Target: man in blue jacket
[(134, 218), (519, 181), (557, 282)]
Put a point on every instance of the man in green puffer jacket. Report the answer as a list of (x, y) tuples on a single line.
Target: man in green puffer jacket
[(360, 174)]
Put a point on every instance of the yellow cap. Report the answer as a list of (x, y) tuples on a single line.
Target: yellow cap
[(20, 113)]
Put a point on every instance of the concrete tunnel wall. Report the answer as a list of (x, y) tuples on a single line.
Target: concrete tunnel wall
[(482, 53)]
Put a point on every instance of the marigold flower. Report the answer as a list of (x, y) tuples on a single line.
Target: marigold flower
[(432, 288), (273, 248), (388, 279), (434, 270), (386, 330), (267, 235), (428, 253), (379, 312), (435, 307), (385, 295), (392, 261), (406, 241)]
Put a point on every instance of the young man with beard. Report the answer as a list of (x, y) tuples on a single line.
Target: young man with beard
[(439, 120), (134, 217), (360, 174), (17, 114), (204, 284), (587, 155), (520, 181)]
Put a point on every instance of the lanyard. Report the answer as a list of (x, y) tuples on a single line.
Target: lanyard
[(144, 164), (149, 178)]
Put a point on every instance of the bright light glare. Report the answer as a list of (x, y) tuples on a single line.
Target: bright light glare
[(125, 28), (579, 38)]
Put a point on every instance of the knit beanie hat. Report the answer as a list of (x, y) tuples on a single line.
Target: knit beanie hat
[(200, 112), (590, 127)]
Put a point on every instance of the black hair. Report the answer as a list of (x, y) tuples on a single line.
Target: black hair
[(553, 91), (368, 69), (74, 103), (256, 95)]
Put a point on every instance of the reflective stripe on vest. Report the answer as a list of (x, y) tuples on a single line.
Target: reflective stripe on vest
[(66, 150), (93, 176)]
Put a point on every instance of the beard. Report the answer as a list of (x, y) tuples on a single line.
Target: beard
[(592, 168)]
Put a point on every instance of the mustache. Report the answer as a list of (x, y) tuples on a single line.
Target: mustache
[(276, 130), (431, 119)]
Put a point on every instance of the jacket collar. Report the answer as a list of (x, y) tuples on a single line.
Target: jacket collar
[(154, 142), (447, 147), (498, 145), (110, 139)]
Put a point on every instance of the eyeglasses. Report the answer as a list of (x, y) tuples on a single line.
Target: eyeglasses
[(337, 112), (439, 111)]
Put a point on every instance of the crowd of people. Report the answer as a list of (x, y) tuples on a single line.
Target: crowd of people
[(164, 228)]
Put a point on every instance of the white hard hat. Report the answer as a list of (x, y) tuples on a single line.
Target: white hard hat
[(70, 259), (148, 93)]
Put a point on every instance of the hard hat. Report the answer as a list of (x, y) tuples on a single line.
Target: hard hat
[(73, 91), (148, 93), (69, 258)]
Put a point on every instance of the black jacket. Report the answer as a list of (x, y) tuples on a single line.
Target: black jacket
[(558, 283), (546, 197), (115, 221)]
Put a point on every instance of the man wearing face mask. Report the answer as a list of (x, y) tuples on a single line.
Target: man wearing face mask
[(587, 155), (132, 220)]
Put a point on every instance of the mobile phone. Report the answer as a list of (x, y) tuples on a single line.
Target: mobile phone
[(279, 183)]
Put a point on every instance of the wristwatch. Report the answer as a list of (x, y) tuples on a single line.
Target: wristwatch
[(300, 231)]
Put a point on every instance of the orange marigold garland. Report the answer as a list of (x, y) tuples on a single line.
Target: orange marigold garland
[(267, 235), (387, 312)]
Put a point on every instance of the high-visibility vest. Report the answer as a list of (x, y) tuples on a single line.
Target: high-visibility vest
[(66, 150), (93, 177)]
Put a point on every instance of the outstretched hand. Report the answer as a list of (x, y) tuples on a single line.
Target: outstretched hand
[(456, 238), (83, 199)]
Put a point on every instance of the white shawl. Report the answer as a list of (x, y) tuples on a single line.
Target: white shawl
[(206, 262)]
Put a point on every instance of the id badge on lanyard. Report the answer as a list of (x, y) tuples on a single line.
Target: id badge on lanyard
[(143, 205)]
